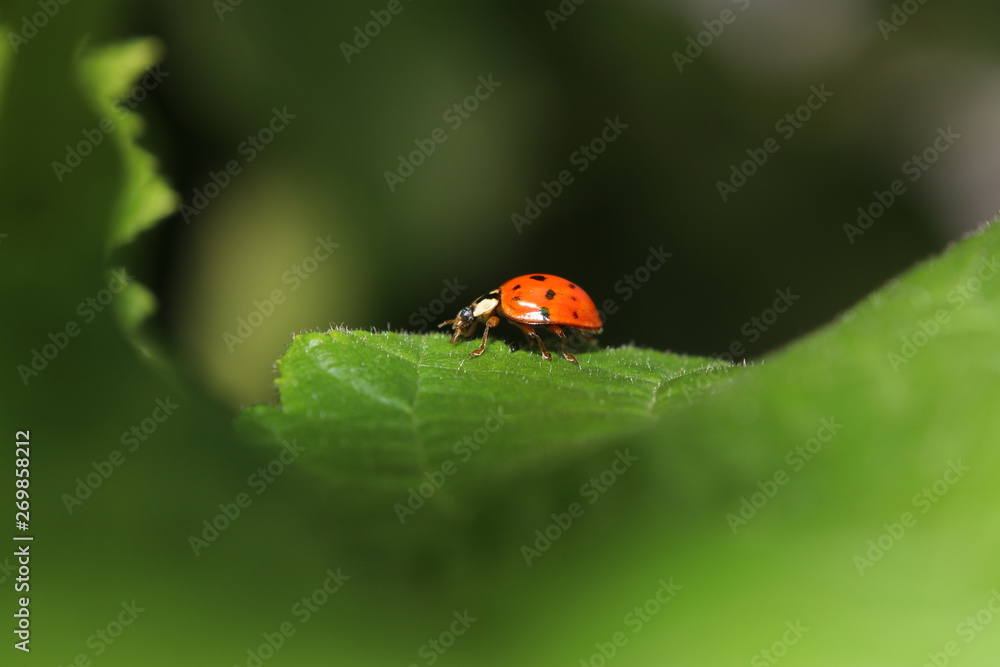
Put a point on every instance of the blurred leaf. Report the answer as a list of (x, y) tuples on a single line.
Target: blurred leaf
[(115, 78), (391, 406), (135, 304), (847, 482)]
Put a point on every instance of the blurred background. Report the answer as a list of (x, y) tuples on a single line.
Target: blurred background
[(694, 105), (722, 178)]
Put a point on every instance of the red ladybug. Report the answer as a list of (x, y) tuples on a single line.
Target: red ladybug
[(530, 301)]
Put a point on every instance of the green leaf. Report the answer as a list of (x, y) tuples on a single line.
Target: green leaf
[(389, 407), (847, 483), (113, 79)]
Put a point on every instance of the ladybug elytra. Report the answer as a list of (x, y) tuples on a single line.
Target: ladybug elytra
[(530, 301)]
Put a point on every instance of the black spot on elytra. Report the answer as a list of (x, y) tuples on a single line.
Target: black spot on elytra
[(544, 312), (539, 278), (572, 286), (576, 315), (515, 298), (516, 287), (551, 294)]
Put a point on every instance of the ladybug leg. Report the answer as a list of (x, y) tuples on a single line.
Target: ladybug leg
[(587, 337), (458, 334), (557, 330), (490, 323), (532, 335)]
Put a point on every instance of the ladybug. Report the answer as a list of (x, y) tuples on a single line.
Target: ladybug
[(530, 301)]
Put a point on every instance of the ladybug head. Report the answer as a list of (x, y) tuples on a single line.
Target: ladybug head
[(480, 310), (464, 323)]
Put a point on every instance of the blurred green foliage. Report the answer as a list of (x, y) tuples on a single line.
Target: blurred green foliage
[(134, 460)]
